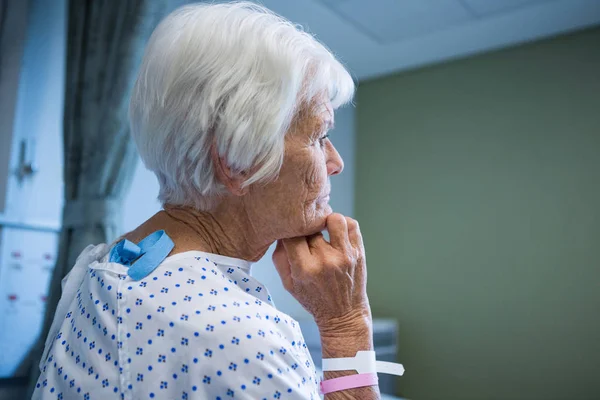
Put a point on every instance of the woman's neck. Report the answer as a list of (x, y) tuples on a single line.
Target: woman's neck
[(228, 233)]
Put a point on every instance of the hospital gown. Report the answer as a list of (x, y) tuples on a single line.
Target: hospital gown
[(198, 327)]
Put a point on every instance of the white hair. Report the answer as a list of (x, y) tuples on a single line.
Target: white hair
[(232, 74)]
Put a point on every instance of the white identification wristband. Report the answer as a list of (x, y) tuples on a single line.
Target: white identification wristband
[(364, 362)]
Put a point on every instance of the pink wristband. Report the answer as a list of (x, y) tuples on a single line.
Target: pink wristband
[(348, 382)]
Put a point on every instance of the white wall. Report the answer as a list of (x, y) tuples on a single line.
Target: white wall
[(27, 256), (141, 204), (13, 28), (39, 115)]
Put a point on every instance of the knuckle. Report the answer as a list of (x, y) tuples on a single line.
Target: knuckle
[(360, 263), (346, 260)]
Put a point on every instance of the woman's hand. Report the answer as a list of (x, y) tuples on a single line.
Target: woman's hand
[(328, 279)]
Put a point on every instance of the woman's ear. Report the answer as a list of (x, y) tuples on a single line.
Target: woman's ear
[(232, 180)]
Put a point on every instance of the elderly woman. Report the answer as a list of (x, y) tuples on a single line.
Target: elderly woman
[(231, 110)]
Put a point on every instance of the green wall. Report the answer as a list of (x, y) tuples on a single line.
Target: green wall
[(478, 195)]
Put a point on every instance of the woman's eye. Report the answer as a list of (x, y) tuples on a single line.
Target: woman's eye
[(323, 138)]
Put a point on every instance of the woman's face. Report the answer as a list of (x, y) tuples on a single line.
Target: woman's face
[(297, 203)]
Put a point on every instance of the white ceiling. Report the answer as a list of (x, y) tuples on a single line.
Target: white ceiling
[(379, 37)]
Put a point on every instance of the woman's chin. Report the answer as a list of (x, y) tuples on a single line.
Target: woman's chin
[(320, 223)]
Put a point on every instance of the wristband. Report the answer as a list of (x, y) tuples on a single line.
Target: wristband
[(348, 382), (364, 362)]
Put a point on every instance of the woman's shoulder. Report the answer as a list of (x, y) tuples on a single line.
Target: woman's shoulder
[(183, 322), (202, 300)]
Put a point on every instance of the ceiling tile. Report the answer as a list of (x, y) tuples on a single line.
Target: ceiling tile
[(388, 21), (333, 2), (486, 7)]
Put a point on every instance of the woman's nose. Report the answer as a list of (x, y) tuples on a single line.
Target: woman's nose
[(335, 164)]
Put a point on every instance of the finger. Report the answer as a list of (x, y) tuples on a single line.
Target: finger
[(338, 232), (297, 249), (316, 241), (282, 265), (360, 276), (354, 234), (299, 256)]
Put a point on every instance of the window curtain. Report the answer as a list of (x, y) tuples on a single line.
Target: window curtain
[(105, 43)]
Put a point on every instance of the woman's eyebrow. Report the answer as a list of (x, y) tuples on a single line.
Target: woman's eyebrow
[(327, 124)]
